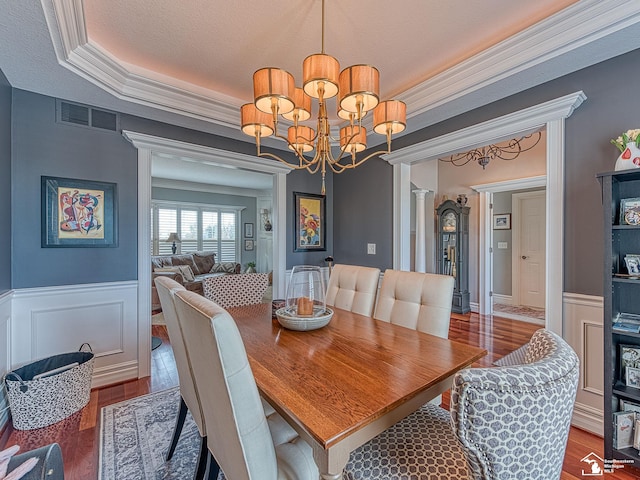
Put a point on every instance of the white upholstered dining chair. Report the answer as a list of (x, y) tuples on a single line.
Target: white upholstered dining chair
[(421, 301), (239, 436), (236, 290), (505, 423), (189, 400), (353, 288)]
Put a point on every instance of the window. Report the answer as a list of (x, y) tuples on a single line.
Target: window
[(200, 227)]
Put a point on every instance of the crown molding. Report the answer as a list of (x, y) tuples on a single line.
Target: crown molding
[(570, 29)]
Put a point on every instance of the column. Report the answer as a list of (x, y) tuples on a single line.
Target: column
[(421, 262)]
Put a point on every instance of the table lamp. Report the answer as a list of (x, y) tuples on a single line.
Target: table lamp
[(173, 237)]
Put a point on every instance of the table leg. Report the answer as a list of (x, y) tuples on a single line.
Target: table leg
[(331, 462)]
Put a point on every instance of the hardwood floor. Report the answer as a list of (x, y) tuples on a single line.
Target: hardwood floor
[(78, 435)]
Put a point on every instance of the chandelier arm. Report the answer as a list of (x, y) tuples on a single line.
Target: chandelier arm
[(338, 167)]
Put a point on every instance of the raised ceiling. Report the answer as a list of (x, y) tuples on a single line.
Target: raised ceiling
[(190, 63)]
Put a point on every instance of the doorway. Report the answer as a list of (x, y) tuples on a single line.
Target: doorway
[(148, 145), (518, 266)]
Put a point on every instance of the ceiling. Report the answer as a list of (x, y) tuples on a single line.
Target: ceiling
[(191, 63)]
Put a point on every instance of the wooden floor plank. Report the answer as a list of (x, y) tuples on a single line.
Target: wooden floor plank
[(78, 435)]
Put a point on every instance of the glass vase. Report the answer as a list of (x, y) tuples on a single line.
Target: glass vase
[(306, 292)]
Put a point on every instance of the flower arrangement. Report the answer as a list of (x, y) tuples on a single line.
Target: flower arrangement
[(632, 136)]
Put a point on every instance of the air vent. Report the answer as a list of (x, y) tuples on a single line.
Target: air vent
[(82, 115)]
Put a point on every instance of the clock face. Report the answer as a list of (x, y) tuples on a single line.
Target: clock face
[(449, 222)]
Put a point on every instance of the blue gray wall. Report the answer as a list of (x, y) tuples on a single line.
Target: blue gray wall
[(5, 184), (611, 108), (43, 147), (248, 215), (363, 214), (302, 181)]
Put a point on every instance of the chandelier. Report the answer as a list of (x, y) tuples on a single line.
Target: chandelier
[(507, 151), (356, 89)]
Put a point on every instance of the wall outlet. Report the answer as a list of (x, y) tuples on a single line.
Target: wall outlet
[(502, 245), (371, 248)]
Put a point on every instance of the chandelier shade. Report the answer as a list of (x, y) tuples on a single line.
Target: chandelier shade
[(359, 89), (273, 87), (302, 107), (254, 122), (354, 138), (300, 138), (390, 117), (320, 75)]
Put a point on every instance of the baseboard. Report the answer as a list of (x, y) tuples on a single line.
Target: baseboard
[(502, 299), (475, 307), (588, 418), (113, 374)]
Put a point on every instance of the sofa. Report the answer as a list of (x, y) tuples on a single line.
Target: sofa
[(189, 270)]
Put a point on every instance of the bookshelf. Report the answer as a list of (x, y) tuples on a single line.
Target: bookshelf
[(621, 308)]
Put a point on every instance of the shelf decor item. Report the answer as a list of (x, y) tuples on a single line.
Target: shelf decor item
[(629, 145), (630, 211), (623, 433)]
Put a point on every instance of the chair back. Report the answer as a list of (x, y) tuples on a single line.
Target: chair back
[(167, 289), (513, 421), (421, 301), (236, 290), (353, 288), (238, 433)]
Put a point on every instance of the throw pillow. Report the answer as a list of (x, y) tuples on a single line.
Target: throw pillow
[(225, 267), (184, 270)]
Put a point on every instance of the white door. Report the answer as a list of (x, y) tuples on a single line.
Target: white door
[(531, 261)]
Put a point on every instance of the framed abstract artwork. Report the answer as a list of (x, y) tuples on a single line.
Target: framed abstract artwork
[(310, 222), (78, 213)]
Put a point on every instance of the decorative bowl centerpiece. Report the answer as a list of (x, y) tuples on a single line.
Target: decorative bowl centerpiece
[(305, 307)]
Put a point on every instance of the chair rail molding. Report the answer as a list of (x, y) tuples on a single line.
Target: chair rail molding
[(49, 320), (550, 115), (149, 145)]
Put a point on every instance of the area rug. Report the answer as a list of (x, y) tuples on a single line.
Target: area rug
[(158, 319), (135, 436)]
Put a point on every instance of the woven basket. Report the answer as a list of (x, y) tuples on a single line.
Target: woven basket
[(37, 403)]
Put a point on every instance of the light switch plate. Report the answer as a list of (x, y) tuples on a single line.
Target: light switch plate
[(502, 245), (371, 248)]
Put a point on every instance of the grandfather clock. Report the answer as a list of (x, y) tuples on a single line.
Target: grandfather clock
[(452, 224)]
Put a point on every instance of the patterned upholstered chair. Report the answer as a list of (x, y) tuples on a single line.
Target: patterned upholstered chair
[(240, 438), (236, 290), (421, 301), (353, 288), (505, 423)]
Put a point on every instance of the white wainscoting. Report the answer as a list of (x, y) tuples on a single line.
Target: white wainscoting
[(51, 320), (5, 351), (583, 330)]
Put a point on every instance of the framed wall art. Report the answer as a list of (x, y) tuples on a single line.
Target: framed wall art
[(502, 221), (630, 211), (78, 213), (248, 245), (310, 222), (248, 230)]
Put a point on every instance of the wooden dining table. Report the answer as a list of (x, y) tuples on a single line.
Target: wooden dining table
[(343, 384)]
